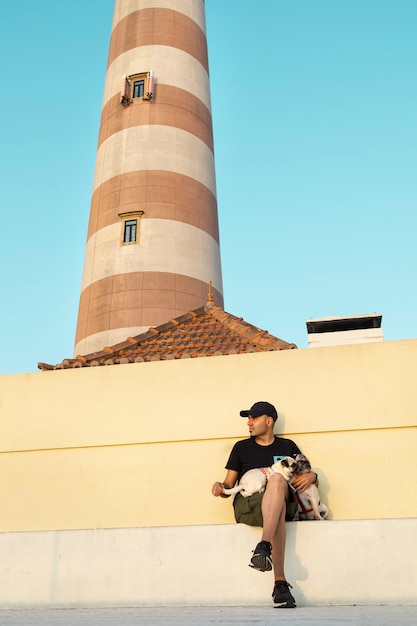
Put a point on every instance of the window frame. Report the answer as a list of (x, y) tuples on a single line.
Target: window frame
[(127, 94), (130, 231), (140, 81), (130, 216)]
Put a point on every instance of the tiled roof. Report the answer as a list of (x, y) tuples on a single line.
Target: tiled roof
[(207, 331)]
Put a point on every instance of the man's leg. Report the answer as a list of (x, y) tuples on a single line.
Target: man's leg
[(273, 511), (278, 546), (273, 534)]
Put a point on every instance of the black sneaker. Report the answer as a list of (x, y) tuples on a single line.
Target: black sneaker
[(282, 595), (261, 559)]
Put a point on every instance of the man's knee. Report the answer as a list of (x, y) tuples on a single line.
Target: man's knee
[(278, 483)]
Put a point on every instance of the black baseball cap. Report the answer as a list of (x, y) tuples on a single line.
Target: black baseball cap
[(261, 408)]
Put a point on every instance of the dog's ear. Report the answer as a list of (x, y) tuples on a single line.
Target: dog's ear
[(285, 463)]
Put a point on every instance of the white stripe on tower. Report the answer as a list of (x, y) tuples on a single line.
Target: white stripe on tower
[(155, 165)]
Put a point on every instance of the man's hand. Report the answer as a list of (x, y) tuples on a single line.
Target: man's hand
[(217, 489), (302, 481)]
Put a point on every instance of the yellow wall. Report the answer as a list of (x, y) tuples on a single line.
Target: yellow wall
[(140, 444)]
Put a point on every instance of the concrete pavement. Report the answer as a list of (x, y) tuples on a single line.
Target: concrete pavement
[(209, 616)]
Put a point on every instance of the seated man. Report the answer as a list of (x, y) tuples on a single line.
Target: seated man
[(271, 508)]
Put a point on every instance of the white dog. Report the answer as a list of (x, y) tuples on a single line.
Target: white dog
[(309, 505), (254, 480)]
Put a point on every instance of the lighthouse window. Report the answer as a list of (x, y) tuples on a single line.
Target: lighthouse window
[(130, 231), (130, 227), (138, 89)]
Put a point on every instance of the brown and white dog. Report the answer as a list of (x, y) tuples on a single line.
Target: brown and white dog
[(254, 480), (309, 505)]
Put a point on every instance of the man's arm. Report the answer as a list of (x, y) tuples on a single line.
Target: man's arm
[(302, 481), (229, 482)]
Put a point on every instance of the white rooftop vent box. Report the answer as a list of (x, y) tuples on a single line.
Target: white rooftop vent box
[(336, 331)]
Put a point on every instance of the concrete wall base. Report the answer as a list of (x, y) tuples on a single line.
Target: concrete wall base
[(331, 563)]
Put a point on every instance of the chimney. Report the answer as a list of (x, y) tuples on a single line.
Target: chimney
[(336, 331)]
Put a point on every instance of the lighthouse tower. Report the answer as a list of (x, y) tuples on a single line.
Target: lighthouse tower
[(153, 242)]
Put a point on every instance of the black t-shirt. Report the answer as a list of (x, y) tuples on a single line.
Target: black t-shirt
[(247, 454)]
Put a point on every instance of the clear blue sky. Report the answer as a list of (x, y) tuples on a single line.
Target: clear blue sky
[(315, 126)]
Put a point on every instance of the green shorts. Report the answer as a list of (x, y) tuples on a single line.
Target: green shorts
[(249, 510)]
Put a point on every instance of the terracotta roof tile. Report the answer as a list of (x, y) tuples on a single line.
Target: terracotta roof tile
[(207, 331)]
